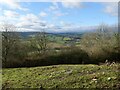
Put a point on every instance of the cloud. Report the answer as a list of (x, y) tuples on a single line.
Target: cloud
[(29, 17), (28, 22), (66, 24), (0, 9), (9, 13), (72, 28), (72, 4), (66, 4), (43, 14), (31, 22), (12, 4), (111, 8), (54, 6), (9, 16), (59, 13), (55, 10)]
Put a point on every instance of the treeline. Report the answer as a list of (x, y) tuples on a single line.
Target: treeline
[(94, 48)]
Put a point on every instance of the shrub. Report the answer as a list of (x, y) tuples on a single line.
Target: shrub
[(67, 56)]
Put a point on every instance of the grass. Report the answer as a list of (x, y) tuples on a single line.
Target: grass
[(62, 76)]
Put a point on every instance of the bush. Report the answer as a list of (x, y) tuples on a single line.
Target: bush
[(67, 56)]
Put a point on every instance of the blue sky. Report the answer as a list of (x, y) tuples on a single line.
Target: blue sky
[(50, 15)]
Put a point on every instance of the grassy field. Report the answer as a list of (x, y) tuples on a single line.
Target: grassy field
[(62, 76)]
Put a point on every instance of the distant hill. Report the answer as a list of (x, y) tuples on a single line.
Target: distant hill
[(72, 33), (27, 34)]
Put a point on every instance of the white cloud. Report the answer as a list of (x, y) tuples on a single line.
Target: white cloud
[(111, 8), (2, 18), (12, 4), (59, 13), (0, 9), (29, 17), (31, 22), (9, 16), (62, 22), (55, 10), (9, 13), (66, 24), (66, 4), (83, 0), (43, 14), (72, 28), (72, 4), (53, 7), (28, 22), (51, 26)]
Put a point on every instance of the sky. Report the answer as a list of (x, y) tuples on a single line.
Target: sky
[(58, 16)]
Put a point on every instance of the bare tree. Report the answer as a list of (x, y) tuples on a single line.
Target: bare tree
[(102, 44), (0, 49), (9, 39)]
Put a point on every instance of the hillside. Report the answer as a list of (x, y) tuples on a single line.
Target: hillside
[(63, 76)]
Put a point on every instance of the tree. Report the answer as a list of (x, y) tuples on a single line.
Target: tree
[(9, 41), (39, 42), (0, 48), (101, 44)]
